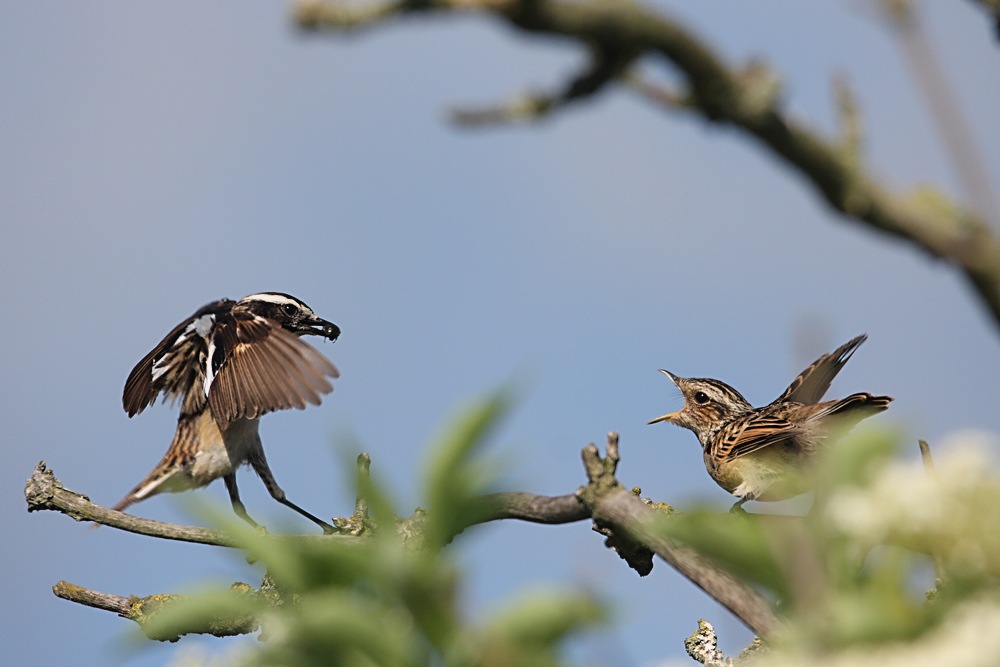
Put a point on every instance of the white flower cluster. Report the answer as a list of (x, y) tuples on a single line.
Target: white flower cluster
[(951, 510), (967, 638)]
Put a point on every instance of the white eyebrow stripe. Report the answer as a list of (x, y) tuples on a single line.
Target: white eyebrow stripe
[(270, 297)]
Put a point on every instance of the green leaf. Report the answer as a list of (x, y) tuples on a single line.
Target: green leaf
[(544, 618), (453, 479), (342, 627), (738, 543)]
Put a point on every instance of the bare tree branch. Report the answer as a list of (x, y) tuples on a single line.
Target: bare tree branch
[(617, 510), (44, 492), (106, 601), (530, 507), (143, 609), (624, 519), (728, 96)]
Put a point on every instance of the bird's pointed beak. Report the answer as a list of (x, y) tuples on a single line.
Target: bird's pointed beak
[(671, 416), (673, 378), (320, 327)]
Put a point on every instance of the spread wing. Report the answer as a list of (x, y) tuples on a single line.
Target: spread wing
[(756, 431), (175, 366), (812, 383), (255, 367)]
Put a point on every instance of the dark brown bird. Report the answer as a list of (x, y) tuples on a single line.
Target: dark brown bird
[(228, 364), (761, 453)]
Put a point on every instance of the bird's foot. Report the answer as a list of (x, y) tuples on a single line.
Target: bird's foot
[(737, 507)]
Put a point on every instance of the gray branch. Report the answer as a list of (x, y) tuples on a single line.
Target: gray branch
[(745, 98), (142, 609), (629, 523), (44, 492), (624, 519)]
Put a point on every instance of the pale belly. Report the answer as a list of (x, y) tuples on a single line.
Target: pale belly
[(767, 475), (220, 454)]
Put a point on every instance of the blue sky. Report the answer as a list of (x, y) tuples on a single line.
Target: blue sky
[(158, 156)]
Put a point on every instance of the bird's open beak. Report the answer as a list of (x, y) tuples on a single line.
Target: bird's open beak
[(672, 416), (320, 327)]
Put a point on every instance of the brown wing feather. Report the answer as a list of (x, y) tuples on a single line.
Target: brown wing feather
[(757, 431), (180, 359), (298, 390), (812, 383), (257, 372), (744, 436), (275, 374), (267, 369)]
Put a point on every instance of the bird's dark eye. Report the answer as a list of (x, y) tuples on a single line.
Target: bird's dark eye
[(290, 309), (701, 398)]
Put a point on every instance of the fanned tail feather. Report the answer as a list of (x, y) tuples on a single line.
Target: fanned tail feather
[(854, 408)]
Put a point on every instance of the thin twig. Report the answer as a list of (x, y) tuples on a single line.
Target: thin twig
[(925, 454), (940, 576), (106, 601), (364, 476)]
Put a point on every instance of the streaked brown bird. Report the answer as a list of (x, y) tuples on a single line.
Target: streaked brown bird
[(228, 364), (761, 453)]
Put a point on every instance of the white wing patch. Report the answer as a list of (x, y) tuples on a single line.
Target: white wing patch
[(159, 368), (209, 371), (202, 326)]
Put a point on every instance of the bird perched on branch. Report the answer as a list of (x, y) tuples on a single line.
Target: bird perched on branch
[(228, 364), (761, 453)]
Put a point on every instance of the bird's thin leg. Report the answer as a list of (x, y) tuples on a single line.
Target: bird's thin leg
[(737, 507), (259, 464), (234, 498)]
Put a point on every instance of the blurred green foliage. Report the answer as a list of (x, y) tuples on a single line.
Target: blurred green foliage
[(386, 600), (850, 579)]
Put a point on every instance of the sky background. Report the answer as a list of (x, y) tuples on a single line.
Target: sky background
[(157, 156)]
